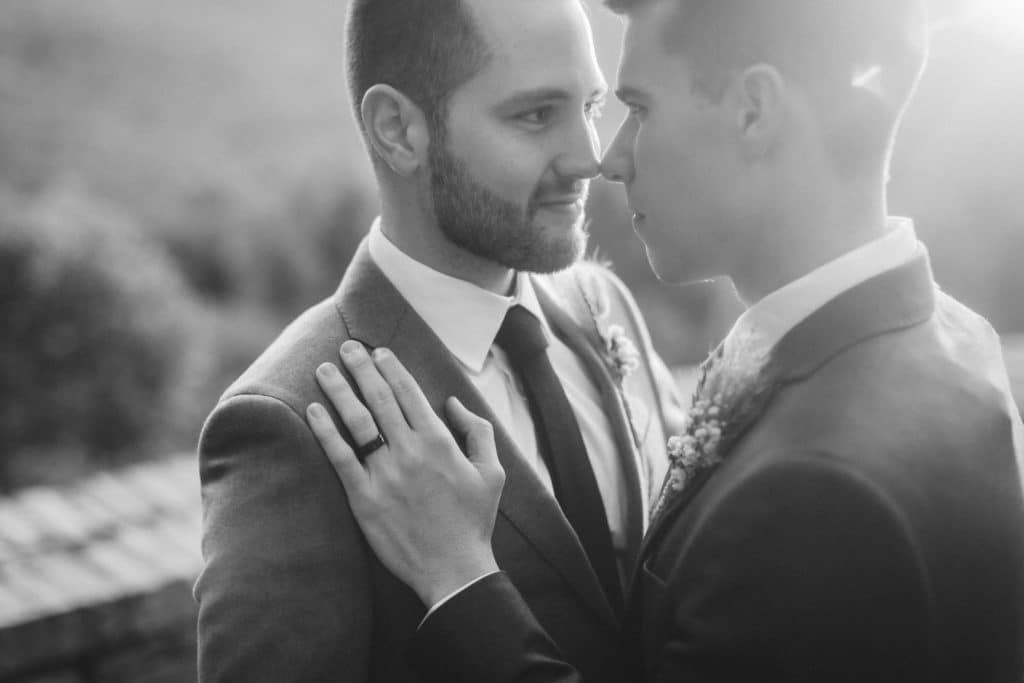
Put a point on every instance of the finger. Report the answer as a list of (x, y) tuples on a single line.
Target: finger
[(475, 431), (375, 390), (356, 417), (407, 392), (348, 468)]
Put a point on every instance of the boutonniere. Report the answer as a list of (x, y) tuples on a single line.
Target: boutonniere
[(620, 354), (697, 447), (616, 348), (733, 390), (623, 355)]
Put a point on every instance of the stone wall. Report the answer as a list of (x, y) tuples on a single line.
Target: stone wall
[(96, 579)]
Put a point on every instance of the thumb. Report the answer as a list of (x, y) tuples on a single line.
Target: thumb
[(476, 432)]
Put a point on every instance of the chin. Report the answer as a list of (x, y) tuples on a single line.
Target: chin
[(563, 253), (558, 249), (676, 271)]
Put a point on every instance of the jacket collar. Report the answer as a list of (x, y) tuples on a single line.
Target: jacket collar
[(377, 315)]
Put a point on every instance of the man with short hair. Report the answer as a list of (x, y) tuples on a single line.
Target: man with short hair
[(479, 118), (845, 503)]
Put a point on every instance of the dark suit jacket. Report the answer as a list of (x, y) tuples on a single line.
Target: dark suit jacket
[(868, 527), (290, 591)]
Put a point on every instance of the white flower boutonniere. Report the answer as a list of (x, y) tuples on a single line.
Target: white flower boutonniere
[(697, 447), (623, 354), (735, 384), (618, 350)]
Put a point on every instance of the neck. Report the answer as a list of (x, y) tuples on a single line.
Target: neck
[(416, 233), (807, 231)]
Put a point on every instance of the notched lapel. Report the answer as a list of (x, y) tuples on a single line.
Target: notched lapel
[(576, 329), (376, 314)]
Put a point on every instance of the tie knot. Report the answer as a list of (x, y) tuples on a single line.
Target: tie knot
[(521, 335)]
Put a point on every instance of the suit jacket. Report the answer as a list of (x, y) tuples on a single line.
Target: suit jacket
[(868, 526), (290, 590)]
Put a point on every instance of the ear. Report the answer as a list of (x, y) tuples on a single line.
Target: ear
[(760, 96), (396, 128)]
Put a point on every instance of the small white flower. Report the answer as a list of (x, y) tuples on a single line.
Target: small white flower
[(621, 349), (690, 458)]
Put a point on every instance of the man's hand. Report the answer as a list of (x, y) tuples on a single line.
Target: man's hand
[(427, 509)]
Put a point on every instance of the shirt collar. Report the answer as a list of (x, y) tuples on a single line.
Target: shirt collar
[(765, 323), (465, 317)]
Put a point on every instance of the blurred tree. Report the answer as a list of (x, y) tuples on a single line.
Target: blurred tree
[(93, 336)]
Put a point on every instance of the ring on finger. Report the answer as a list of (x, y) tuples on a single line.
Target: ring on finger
[(370, 447)]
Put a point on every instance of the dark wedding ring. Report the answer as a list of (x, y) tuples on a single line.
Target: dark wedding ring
[(372, 446)]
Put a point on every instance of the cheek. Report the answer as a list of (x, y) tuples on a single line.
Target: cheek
[(508, 164), (663, 176)]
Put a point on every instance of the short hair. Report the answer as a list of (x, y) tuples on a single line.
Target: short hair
[(425, 49), (860, 59)]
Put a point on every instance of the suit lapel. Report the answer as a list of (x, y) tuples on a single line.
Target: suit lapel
[(897, 299), (377, 315), (583, 340)]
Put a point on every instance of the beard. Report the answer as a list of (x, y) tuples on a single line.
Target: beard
[(486, 225)]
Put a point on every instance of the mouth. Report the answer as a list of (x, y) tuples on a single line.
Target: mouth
[(561, 202), (638, 217), (570, 206)]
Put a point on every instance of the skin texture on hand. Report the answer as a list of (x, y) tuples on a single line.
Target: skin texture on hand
[(426, 508)]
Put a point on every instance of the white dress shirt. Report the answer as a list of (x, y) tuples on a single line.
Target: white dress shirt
[(764, 324), (466, 319)]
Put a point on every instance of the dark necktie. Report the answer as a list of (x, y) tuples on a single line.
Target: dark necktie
[(561, 444)]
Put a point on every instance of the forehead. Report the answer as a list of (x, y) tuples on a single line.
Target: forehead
[(535, 44), (647, 63)]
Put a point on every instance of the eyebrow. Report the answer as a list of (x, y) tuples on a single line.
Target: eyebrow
[(546, 94)]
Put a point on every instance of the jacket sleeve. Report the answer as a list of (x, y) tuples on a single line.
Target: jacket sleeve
[(284, 594), (804, 571), (487, 634)]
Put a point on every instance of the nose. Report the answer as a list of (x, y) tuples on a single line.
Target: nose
[(580, 158), (617, 165)]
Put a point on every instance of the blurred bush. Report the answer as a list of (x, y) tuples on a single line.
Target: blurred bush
[(93, 341), (119, 338), (282, 258)]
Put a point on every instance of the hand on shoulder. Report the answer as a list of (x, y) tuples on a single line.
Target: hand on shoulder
[(426, 508)]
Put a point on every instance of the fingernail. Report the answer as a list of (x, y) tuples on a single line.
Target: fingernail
[(316, 411), (327, 370), (381, 353), (350, 347)]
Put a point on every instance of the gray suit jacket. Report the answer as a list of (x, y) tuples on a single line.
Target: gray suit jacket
[(290, 590), (868, 526)]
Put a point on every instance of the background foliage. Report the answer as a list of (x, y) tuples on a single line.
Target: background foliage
[(177, 180)]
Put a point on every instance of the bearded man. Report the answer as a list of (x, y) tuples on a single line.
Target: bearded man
[(479, 119)]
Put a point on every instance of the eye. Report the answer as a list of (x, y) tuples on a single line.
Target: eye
[(538, 116)]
